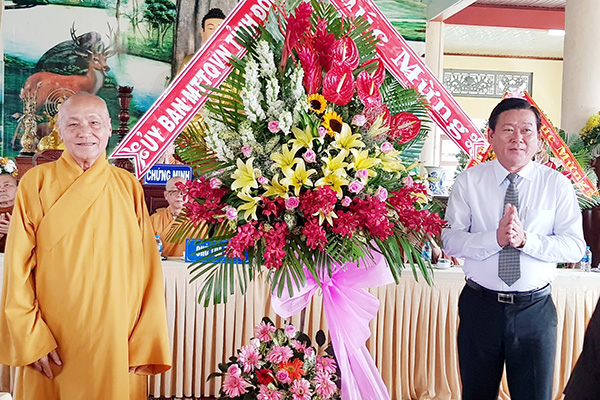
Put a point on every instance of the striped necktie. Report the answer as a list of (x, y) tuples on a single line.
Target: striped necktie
[(509, 262)]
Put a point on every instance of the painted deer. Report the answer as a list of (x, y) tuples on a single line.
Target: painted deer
[(91, 82)]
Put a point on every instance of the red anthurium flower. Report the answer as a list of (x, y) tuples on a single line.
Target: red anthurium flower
[(344, 53), (322, 42), (296, 28), (373, 109), (312, 69), (404, 127), (379, 73), (368, 83), (367, 88), (338, 85)]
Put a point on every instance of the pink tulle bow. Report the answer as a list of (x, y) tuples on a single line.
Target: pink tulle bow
[(349, 309)]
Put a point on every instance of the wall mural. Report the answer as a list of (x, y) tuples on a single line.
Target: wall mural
[(53, 48)]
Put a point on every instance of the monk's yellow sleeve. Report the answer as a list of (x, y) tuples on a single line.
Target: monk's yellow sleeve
[(148, 343), (24, 334)]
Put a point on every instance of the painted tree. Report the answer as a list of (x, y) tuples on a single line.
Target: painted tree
[(160, 16)]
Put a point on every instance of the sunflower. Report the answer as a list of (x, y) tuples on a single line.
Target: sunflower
[(332, 122), (317, 103)]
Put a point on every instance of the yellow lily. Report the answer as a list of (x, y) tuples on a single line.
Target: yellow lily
[(390, 162), (275, 188), (250, 205), (335, 165), (378, 128), (303, 138), (244, 176), (335, 181), (286, 159), (363, 161), (346, 140), (298, 177)]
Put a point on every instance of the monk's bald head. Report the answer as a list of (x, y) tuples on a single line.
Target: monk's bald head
[(174, 195), (84, 127)]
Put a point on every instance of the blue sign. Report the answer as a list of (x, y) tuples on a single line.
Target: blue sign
[(196, 249), (159, 174)]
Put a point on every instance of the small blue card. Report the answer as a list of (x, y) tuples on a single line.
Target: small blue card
[(159, 174), (196, 249)]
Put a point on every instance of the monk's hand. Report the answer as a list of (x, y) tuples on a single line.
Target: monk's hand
[(4, 223), (510, 230), (43, 364), (141, 370)]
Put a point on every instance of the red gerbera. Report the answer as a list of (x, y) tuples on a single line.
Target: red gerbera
[(264, 376)]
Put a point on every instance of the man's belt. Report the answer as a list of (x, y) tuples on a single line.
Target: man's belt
[(510, 297)]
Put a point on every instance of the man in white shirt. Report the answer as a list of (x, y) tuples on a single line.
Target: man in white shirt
[(509, 318)]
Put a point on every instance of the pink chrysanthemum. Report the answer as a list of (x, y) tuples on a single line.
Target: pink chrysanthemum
[(234, 385), (325, 364), (301, 390), (280, 354), (249, 357), (263, 331), (264, 393)]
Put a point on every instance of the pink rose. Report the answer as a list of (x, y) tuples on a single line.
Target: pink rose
[(355, 187), (215, 183), (246, 151), (290, 331), (274, 126), (359, 120), (322, 131), (346, 201), (234, 370), (262, 180), (283, 377), (231, 213), (381, 194), (386, 147), (292, 203), (309, 156), (362, 174)]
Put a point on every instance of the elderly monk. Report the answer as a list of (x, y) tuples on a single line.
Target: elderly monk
[(82, 305), (8, 190), (162, 220)]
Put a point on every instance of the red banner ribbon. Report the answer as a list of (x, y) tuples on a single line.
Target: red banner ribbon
[(561, 151), (410, 70), (174, 109)]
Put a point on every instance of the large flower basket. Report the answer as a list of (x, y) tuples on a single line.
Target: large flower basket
[(307, 158)]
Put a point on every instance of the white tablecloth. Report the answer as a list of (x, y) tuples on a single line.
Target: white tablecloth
[(413, 338)]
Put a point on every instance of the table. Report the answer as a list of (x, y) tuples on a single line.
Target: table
[(413, 338)]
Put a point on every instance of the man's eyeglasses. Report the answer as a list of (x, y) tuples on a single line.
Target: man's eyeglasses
[(175, 192)]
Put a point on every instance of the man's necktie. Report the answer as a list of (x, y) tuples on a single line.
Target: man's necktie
[(509, 263)]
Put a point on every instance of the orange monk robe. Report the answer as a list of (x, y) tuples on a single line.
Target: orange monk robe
[(82, 275), (162, 222)]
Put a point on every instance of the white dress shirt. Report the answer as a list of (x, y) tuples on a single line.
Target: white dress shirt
[(549, 212)]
